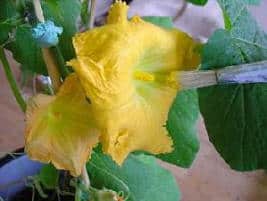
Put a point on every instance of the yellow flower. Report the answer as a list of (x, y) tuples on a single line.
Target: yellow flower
[(60, 129), (126, 68)]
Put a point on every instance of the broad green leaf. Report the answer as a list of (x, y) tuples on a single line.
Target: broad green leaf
[(165, 22), (5, 28), (182, 118), (198, 2), (181, 125), (235, 115), (49, 176), (252, 2), (7, 9), (140, 178), (26, 51), (64, 13), (8, 15)]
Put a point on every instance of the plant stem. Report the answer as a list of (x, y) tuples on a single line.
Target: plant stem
[(61, 62), (181, 11), (85, 177), (77, 194), (12, 82), (92, 13)]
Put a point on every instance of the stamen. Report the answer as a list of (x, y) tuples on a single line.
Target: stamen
[(144, 76)]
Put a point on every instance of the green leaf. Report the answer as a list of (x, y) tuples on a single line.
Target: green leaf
[(85, 12), (49, 176), (235, 115), (64, 13), (181, 124), (5, 28), (227, 21), (164, 22), (252, 2), (7, 9), (198, 2), (140, 178), (26, 51)]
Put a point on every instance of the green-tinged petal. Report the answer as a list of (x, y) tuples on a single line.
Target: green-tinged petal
[(60, 128), (126, 68)]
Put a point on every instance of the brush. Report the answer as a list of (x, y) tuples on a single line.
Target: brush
[(237, 74)]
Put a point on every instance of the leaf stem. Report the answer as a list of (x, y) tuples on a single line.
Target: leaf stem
[(12, 82), (92, 13)]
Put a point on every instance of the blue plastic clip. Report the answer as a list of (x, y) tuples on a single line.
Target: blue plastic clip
[(46, 33)]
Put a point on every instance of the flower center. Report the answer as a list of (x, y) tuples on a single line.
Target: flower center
[(144, 76)]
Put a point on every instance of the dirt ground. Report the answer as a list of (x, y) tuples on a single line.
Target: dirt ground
[(209, 178)]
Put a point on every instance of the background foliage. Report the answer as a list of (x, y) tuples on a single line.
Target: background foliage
[(235, 115)]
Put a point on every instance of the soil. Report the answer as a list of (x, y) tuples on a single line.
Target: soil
[(27, 195)]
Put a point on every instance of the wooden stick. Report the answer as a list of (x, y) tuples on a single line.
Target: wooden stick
[(49, 59), (237, 74)]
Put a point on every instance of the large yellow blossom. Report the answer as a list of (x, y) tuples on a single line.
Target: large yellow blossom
[(60, 129), (127, 69)]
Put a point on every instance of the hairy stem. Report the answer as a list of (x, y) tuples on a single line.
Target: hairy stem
[(12, 82)]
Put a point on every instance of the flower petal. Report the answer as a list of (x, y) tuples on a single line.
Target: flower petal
[(59, 129), (126, 69)]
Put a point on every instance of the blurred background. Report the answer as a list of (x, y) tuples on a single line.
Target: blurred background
[(209, 178)]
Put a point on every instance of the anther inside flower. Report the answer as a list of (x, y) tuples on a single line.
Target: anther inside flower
[(126, 68)]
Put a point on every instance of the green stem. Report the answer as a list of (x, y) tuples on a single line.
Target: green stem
[(77, 194), (85, 177), (12, 82), (61, 62)]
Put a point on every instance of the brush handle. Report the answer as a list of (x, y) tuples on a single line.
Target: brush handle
[(244, 73)]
